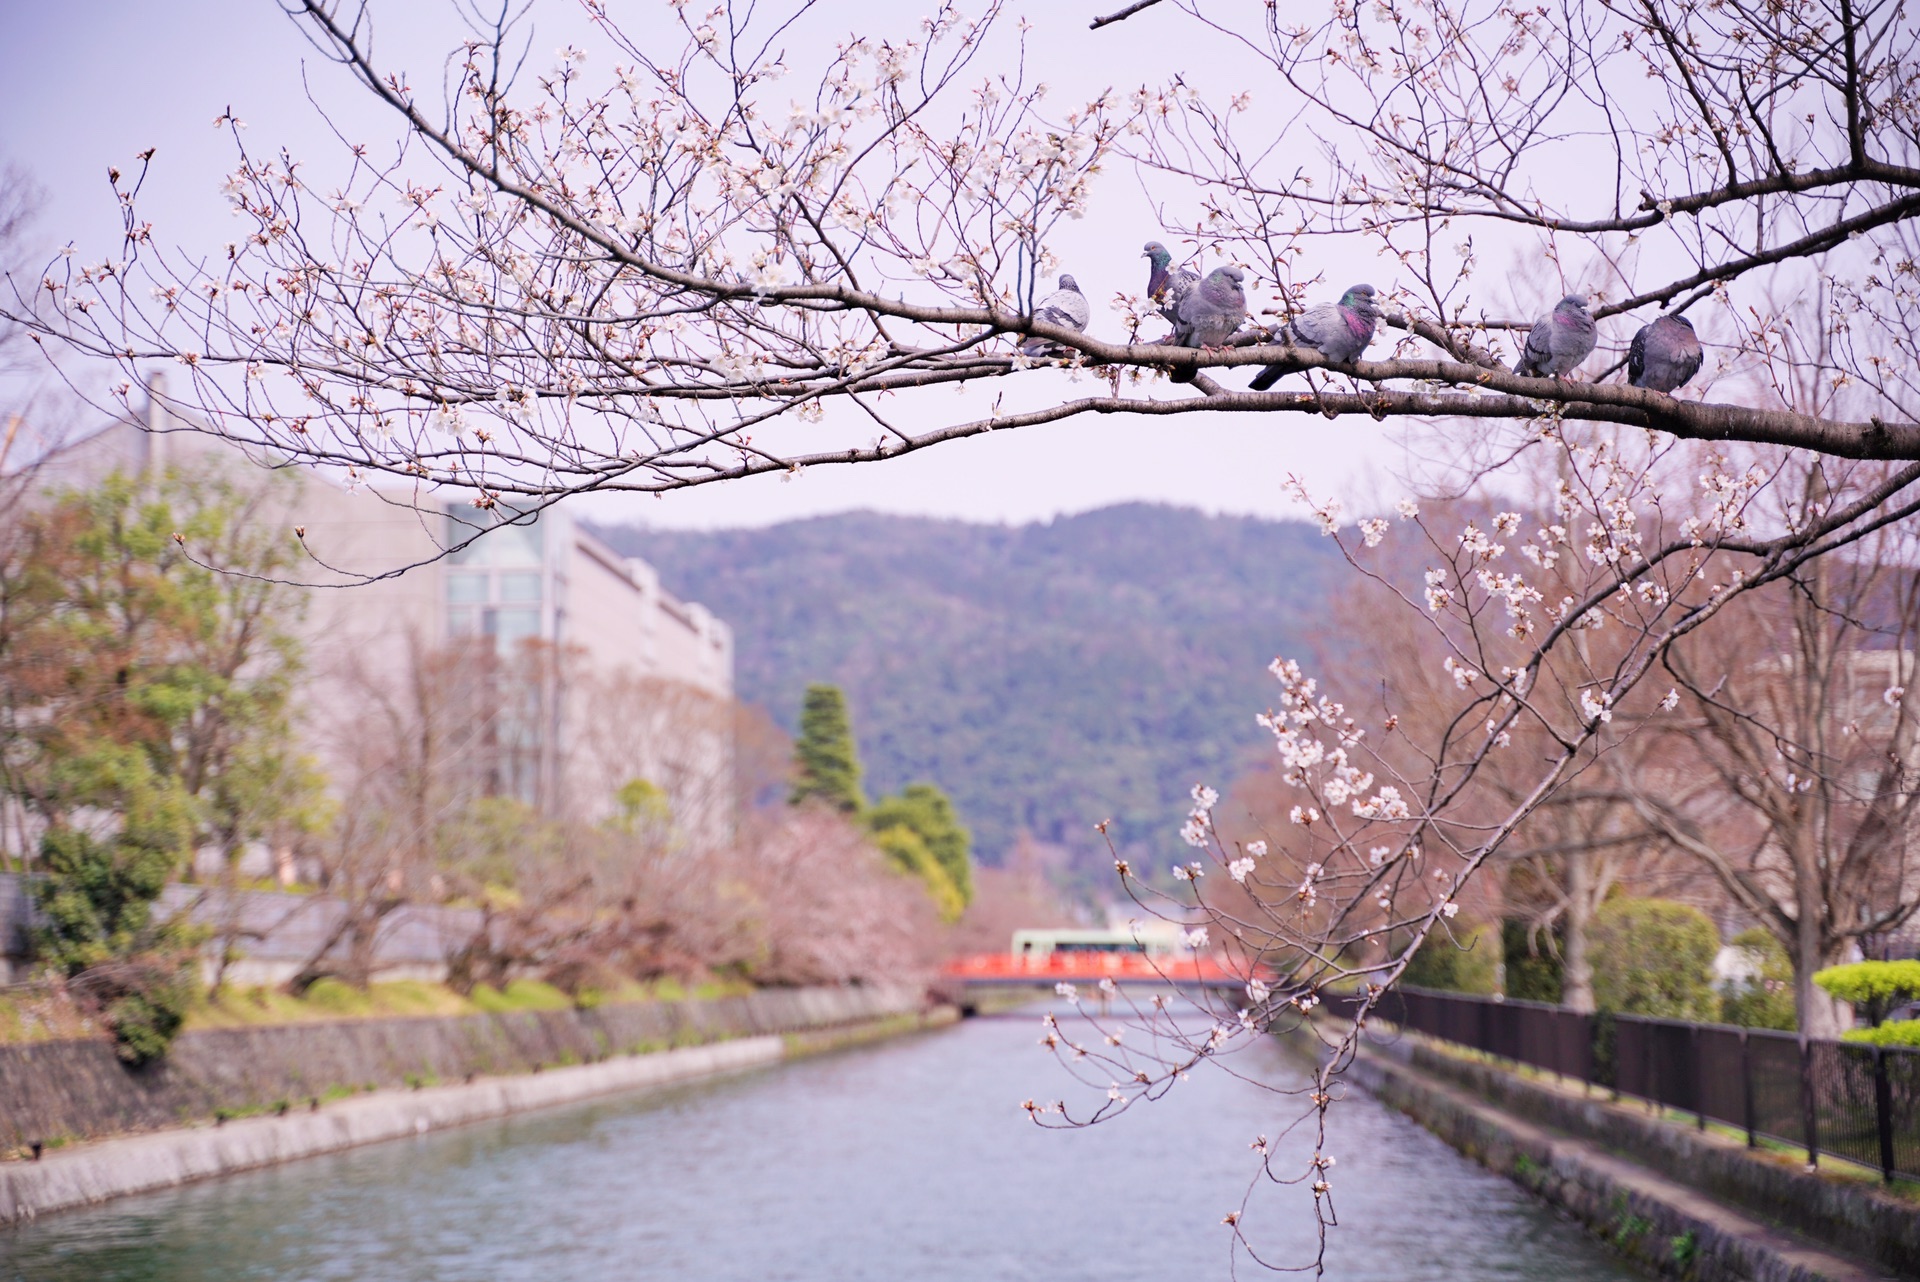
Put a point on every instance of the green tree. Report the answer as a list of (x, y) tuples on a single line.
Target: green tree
[(927, 812), (144, 706), (904, 848), (1654, 957), (118, 630), (826, 763)]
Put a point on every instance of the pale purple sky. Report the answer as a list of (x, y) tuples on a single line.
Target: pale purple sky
[(88, 83)]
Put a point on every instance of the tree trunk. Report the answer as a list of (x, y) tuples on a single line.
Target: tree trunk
[(1819, 1014), (1576, 969)]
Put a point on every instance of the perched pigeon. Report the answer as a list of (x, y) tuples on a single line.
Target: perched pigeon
[(1210, 313), (1664, 354), (1559, 340), (1166, 286), (1065, 307), (1338, 331)]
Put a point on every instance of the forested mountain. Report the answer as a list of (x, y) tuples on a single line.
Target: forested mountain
[(1048, 676)]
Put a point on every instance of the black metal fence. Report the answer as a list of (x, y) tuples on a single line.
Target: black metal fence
[(1857, 1102)]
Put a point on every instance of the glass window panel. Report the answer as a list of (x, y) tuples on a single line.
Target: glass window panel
[(520, 585), (466, 589), (460, 622), (510, 626), (512, 540)]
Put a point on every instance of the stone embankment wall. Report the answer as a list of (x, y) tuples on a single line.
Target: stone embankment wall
[(1849, 1214), (57, 1091), (93, 1173), (1680, 1203)]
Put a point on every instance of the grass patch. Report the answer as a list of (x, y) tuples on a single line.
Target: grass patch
[(521, 994), (328, 999), (33, 1018), (41, 1017)]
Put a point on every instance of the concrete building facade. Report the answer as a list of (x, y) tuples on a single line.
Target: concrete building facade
[(614, 678)]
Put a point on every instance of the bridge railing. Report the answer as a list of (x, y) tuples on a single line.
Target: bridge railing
[(1853, 1101), (1085, 966)]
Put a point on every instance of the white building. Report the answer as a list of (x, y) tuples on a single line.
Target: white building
[(636, 684)]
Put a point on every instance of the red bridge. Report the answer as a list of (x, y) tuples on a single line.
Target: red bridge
[(1090, 967)]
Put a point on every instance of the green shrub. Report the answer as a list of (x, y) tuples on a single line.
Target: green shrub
[(146, 1018), (1899, 1032), (1533, 967), (98, 927), (1875, 987), (1765, 1001), (1467, 963), (1654, 957)]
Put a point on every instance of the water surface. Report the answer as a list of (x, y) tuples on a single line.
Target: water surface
[(904, 1162)]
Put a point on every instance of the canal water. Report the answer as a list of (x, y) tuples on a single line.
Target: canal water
[(909, 1161)]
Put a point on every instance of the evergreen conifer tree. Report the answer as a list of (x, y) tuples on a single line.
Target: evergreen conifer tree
[(927, 812), (826, 764)]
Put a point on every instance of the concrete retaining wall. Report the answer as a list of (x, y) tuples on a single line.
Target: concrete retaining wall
[(52, 1091), (143, 1163)]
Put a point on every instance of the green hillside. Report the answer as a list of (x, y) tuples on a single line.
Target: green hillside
[(1047, 675)]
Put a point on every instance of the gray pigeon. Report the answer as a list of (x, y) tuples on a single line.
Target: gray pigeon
[(1166, 286), (1065, 307), (1559, 340), (1338, 331), (1210, 314), (1664, 355)]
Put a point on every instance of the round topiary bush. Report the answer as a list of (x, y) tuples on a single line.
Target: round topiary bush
[(1654, 957)]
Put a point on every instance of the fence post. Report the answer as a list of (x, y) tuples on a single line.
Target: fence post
[(1883, 1112), (1589, 1057), (1810, 1117), (1652, 1073), (1746, 1088), (1699, 1078)]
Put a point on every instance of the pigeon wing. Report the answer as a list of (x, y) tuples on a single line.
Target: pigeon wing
[(1637, 356), (1180, 283), (1687, 363), (1067, 307), (1537, 354), (1317, 327)]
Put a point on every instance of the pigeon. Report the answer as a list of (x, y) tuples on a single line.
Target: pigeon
[(1166, 286), (1065, 307), (1559, 340), (1664, 354), (1338, 331), (1210, 313)]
